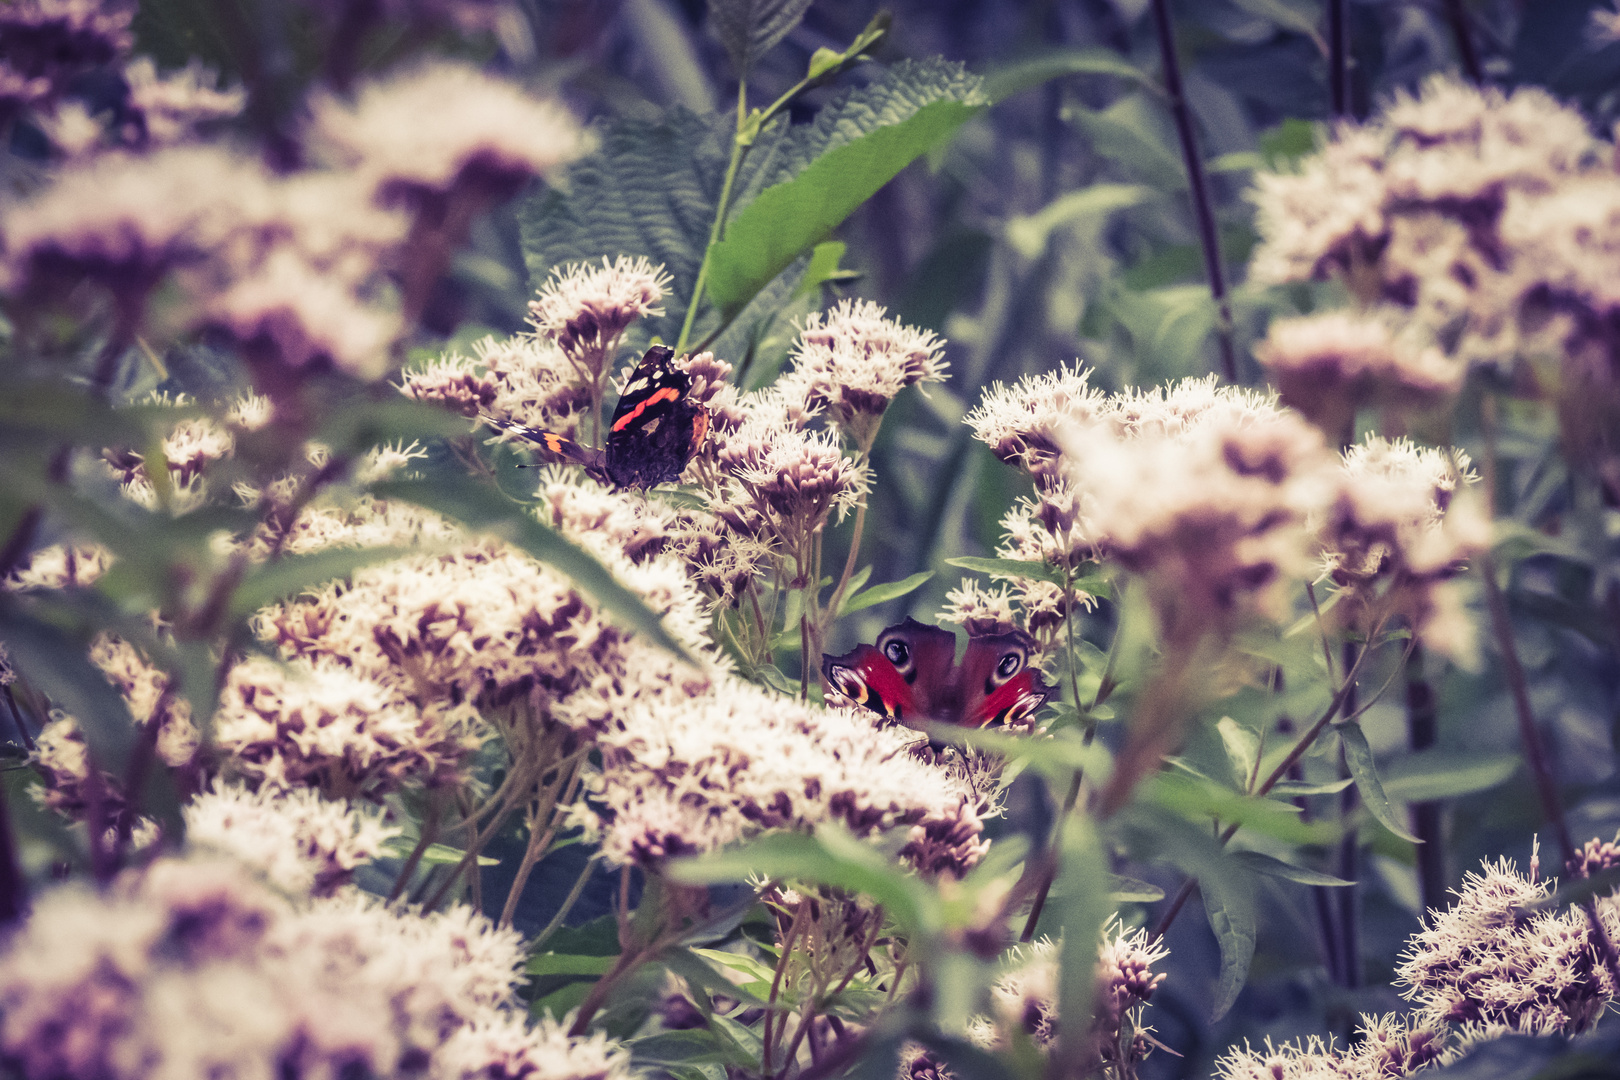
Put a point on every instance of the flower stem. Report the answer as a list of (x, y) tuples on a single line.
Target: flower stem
[(1338, 20), (1203, 207)]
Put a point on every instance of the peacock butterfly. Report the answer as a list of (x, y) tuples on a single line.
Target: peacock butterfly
[(911, 676)]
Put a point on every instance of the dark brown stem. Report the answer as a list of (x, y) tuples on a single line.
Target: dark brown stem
[(1338, 27), (1467, 54), (1209, 237), (1422, 731), (1534, 752), (1050, 871), (430, 831), (1348, 898), (13, 886)]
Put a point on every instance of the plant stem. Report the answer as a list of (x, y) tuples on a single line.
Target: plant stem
[(1467, 54), (568, 903), (1272, 779), (739, 150), (1427, 822), (1203, 207), (768, 1033), (1050, 873), (1338, 20)]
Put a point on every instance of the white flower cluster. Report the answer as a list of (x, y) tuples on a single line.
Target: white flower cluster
[(1222, 500), (685, 775), (290, 266), (301, 843), (192, 968), (1025, 998), (1488, 963)]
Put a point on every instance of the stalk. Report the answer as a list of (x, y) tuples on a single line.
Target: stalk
[(1427, 820), (1209, 238)]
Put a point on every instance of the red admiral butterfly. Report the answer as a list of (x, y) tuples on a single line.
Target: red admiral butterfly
[(654, 432), (911, 676)]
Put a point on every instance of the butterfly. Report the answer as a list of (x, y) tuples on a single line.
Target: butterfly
[(655, 430), (911, 676)]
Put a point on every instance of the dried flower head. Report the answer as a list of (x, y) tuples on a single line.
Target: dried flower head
[(1206, 496), (46, 43), (1396, 535), (1021, 424), (1386, 1046), (194, 968), (60, 566)]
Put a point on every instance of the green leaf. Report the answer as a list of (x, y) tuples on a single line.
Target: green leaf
[(1288, 17), (293, 574), (1080, 908), (1226, 884), (823, 267), (1028, 235), (56, 661), (1012, 568), (1197, 798), (1289, 789), (1135, 134), (549, 963), (882, 594), (1358, 756), (1442, 774), (439, 854), (483, 507), (867, 137), (1004, 82), (1242, 750), (751, 28), (649, 188), (1262, 863), (831, 857), (1124, 890)]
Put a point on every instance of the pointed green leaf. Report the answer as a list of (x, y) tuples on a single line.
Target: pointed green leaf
[(867, 137), (1242, 748), (1262, 863), (751, 28), (1028, 235), (1440, 774), (823, 267), (1002, 83), (1359, 757), (831, 857), (1079, 909), (1227, 886), (1012, 568), (882, 594)]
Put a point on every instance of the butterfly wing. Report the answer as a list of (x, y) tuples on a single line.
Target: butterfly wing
[(867, 678), (550, 444), (900, 677), (655, 427), (998, 683)]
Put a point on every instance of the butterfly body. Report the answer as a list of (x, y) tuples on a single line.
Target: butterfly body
[(655, 429), (912, 677)]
